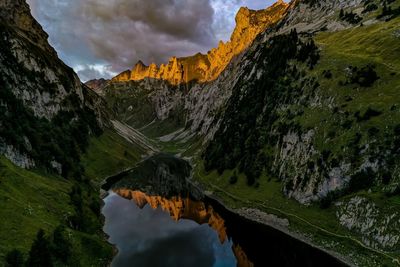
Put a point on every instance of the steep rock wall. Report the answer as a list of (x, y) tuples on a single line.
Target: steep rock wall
[(203, 68)]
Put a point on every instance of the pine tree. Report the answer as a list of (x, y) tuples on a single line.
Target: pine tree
[(341, 14), (62, 248), (14, 258), (39, 255)]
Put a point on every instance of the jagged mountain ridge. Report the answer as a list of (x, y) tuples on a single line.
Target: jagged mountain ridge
[(203, 68), (318, 125)]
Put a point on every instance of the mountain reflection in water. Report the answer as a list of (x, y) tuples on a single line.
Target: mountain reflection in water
[(145, 234)]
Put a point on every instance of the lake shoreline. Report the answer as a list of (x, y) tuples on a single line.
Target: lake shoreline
[(259, 217), (250, 214), (256, 218)]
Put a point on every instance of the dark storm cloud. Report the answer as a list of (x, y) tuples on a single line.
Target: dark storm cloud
[(121, 32), (100, 38)]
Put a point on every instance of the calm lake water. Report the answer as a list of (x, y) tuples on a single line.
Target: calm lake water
[(150, 237), (155, 231)]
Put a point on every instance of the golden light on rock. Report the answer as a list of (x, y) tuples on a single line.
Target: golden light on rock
[(241, 257), (204, 68)]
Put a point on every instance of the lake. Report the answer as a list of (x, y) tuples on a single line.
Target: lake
[(178, 231)]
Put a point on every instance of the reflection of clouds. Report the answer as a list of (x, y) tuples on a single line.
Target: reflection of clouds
[(117, 33), (178, 249), (150, 237), (141, 224)]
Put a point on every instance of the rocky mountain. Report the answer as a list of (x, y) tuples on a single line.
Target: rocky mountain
[(206, 106), (43, 103), (203, 68), (50, 124), (297, 115), (310, 103), (97, 85)]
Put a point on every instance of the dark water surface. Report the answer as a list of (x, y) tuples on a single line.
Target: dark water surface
[(150, 237), (156, 231)]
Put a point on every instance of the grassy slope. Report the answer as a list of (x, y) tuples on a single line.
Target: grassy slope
[(31, 200), (360, 46), (109, 154), (375, 44)]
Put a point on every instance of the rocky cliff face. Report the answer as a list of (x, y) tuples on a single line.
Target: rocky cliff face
[(40, 96), (97, 85), (294, 106), (378, 225), (16, 13), (258, 92), (204, 68)]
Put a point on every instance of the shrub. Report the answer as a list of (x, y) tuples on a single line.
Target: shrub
[(369, 113), (361, 180), (386, 178), (327, 74), (349, 17), (365, 77), (14, 258), (369, 8), (373, 131), (233, 179), (61, 246), (396, 130), (388, 12), (326, 202), (40, 255)]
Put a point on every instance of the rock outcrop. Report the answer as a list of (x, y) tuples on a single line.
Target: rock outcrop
[(204, 68), (16, 13), (377, 225), (41, 98), (97, 85)]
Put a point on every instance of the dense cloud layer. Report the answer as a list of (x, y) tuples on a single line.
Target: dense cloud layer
[(102, 37)]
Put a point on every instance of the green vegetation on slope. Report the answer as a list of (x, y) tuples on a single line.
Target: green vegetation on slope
[(251, 125), (33, 200), (319, 226), (109, 154), (61, 139), (353, 116)]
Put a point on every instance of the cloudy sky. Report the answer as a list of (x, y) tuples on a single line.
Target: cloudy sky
[(100, 38)]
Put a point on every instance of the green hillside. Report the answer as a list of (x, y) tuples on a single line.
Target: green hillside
[(33, 200)]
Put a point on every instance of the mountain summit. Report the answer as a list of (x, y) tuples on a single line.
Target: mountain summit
[(202, 68)]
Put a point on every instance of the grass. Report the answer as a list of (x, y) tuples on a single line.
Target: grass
[(164, 127), (29, 201), (109, 154), (320, 225), (32, 200), (375, 44)]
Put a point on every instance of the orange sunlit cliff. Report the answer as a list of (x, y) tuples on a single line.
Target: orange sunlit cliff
[(203, 68)]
